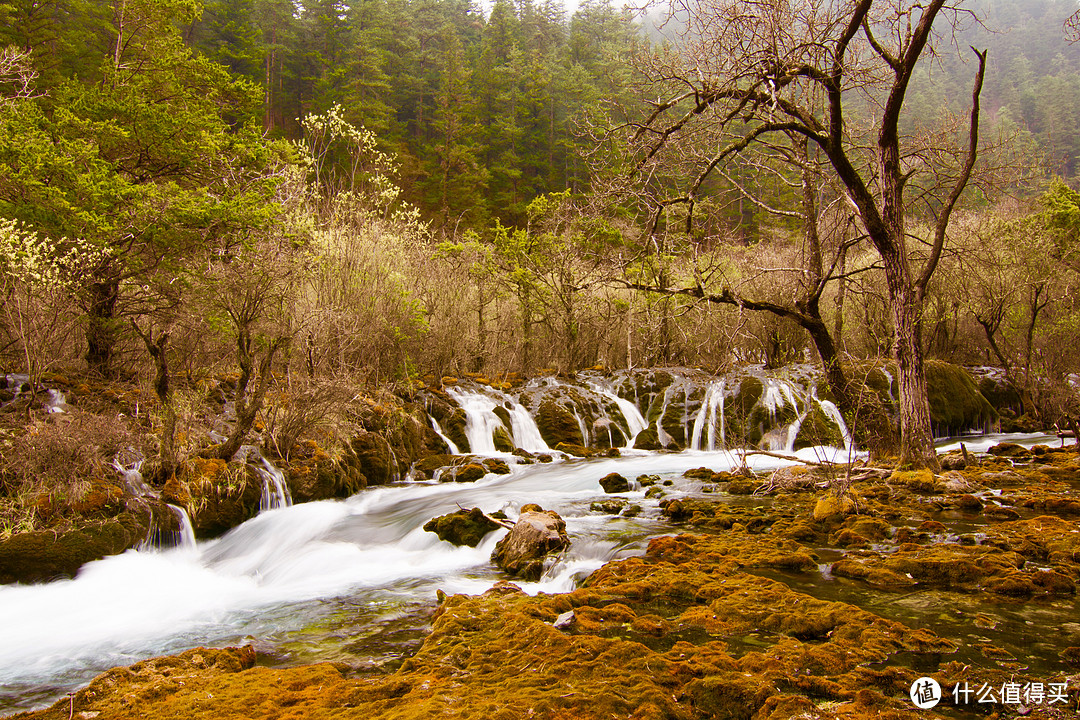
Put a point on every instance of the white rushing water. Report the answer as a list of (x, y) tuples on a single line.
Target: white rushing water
[(274, 580)]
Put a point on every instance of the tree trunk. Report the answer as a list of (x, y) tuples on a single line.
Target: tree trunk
[(916, 435), (101, 334)]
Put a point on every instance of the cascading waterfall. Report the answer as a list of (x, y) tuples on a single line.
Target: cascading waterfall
[(439, 431), (712, 406), (525, 431), (833, 413), (275, 492), (156, 538), (635, 423), (480, 420)]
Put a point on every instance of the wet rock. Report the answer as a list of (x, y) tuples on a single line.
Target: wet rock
[(631, 511), (952, 461), (470, 472), (648, 480), (648, 439), (969, 503), (614, 483), (47, 555), (1009, 450), (496, 466), (464, 527), (609, 507), (370, 454), (535, 537), (741, 486), (565, 620), (557, 424)]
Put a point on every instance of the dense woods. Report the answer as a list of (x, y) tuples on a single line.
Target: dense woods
[(344, 194)]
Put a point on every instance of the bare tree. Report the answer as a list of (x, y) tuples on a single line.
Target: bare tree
[(837, 74)]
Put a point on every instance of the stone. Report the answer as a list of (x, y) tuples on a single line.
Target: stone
[(464, 527), (614, 483), (535, 536)]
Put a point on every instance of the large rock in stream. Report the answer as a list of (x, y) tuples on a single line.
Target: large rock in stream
[(536, 535), (464, 527)]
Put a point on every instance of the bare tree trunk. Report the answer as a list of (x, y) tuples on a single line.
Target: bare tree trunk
[(249, 401), (101, 335)]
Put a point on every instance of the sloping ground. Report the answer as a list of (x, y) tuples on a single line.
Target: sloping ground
[(706, 625)]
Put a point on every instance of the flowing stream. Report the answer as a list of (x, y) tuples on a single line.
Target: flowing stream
[(346, 580)]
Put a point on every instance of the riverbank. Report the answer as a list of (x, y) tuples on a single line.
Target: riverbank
[(790, 605)]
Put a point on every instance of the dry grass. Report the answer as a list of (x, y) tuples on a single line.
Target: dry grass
[(51, 465)]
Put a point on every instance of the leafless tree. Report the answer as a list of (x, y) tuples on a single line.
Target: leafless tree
[(835, 73)]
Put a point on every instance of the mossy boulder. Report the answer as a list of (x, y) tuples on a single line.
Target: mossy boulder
[(223, 494), (502, 439), (470, 472), (818, 429), (832, 507), (464, 527), (614, 483), (557, 424), (956, 405), (46, 555), (648, 439), (370, 455)]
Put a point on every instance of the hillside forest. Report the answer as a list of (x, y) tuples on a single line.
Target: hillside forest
[(322, 197)]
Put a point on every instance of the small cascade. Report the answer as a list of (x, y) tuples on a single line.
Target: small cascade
[(56, 402), (133, 479), (712, 406), (395, 467), (586, 437), (635, 423), (186, 533), (439, 431), (480, 420), (159, 538), (661, 434), (526, 433), (833, 413), (275, 492)]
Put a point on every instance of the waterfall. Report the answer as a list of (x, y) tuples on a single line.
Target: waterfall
[(439, 431), (634, 422), (526, 433), (275, 491), (833, 413), (711, 405), (158, 538), (480, 420)]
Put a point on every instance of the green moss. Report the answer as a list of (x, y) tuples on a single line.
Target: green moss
[(818, 429), (557, 424), (956, 405)]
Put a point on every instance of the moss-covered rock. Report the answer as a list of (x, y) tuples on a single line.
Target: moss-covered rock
[(614, 483), (956, 405), (45, 555), (648, 439), (557, 424), (464, 527), (223, 495), (536, 535)]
